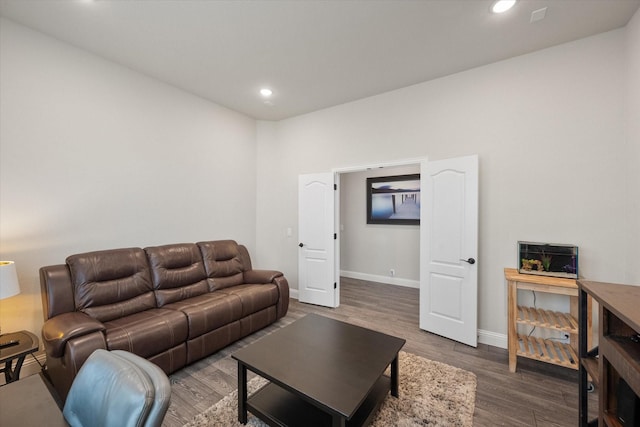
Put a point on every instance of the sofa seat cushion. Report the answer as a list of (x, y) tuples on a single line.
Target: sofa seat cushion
[(147, 333), (254, 297), (208, 312)]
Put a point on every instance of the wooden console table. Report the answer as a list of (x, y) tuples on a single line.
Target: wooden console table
[(545, 350), (617, 358)]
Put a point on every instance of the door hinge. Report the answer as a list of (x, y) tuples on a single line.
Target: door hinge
[(335, 186), (335, 285), (335, 236)]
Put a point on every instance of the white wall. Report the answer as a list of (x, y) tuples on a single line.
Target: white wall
[(370, 251), (633, 146), (95, 156), (549, 130)]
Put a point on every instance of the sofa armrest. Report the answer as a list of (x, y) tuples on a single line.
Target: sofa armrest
[(261, 276), (283, 302), (64, 327), (275, 277)]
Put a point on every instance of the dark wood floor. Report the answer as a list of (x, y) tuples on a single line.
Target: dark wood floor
[(537, 394)]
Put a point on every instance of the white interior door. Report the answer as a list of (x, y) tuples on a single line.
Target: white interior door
[(316, 257), (449, 247)]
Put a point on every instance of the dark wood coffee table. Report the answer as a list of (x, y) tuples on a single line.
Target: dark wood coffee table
[(322, 372)]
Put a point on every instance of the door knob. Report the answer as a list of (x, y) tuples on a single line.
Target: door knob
[(470, 260), (300, 244)]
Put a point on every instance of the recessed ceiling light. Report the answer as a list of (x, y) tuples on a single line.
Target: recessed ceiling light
[(502, 6), (266, 92)]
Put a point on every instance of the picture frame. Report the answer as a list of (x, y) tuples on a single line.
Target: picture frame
[(394, 200)]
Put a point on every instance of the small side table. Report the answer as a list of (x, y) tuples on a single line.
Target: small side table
[(27, 344)]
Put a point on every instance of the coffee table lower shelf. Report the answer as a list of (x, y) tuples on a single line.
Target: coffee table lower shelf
[(278, 407)]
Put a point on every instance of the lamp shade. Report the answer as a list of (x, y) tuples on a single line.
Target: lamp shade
[(9, 285)]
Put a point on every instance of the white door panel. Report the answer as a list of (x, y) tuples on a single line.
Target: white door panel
[(316, 257), (445, 296), (449, 236)]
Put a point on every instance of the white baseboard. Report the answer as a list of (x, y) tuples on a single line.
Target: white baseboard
[(293, 293), (381, 279), (492, 338)]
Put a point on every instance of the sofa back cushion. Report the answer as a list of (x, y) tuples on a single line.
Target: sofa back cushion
[(111, 284), (177, 272), (223, 263)]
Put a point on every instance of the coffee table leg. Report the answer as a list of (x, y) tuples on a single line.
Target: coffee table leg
[(394, 377), (242, 393)]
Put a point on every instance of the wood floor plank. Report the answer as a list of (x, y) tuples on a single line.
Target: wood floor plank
[(538, 394)]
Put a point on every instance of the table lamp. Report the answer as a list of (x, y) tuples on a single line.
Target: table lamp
[(9, 287)]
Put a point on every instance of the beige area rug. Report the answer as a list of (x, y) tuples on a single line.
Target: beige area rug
[(431, 394)]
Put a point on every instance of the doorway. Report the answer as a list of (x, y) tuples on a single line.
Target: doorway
[(383, 253), (448, 236)]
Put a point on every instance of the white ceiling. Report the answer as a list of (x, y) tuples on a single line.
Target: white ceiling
[(313, 54)]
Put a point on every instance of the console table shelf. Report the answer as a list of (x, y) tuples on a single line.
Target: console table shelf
[(618, 354), (549, 351), (547, 319), (537, 348)]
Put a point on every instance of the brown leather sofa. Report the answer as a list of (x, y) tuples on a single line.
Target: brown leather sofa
[(171, 304)]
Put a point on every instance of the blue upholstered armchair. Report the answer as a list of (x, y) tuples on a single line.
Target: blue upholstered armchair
[(118, 389)]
